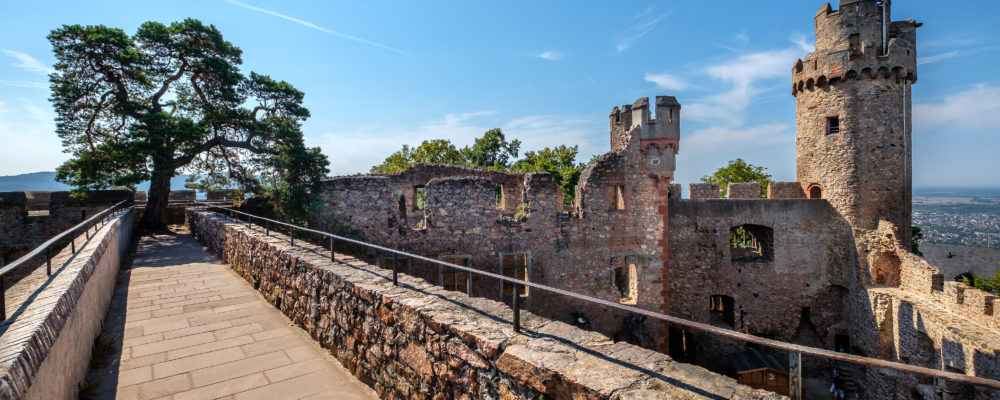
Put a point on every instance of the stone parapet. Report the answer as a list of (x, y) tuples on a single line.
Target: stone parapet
[(785, 190), (417, 340), (703, 191), (743, 190), (45, 344)]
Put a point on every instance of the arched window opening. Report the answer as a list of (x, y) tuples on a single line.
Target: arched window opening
[(815, 191)]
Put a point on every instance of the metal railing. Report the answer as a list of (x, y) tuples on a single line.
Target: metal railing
[(100, 218), (795, 350)]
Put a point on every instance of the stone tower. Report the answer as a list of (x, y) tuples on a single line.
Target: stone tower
[(658, 135), (852, 97)]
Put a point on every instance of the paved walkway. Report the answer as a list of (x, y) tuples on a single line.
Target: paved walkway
[(193, 329)]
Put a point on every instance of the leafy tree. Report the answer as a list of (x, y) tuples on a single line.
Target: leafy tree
[(492, 151), (738, 171), (916, 236), (991, 285), (560, 162), (438, 151), (172, 98)]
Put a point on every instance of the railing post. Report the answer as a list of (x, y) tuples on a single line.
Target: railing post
[(267, 228), (517, 308), (468, 283), (72, 244), (291, 235), (333, 250), (395, 269), (48, 262), (3, 300), (795, 375)]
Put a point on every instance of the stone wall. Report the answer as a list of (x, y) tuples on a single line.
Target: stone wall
[(609, 244), (420, 341), (785, 190), (50, 214), (953, 260), (46, 341), (796, 293), (743, 190)]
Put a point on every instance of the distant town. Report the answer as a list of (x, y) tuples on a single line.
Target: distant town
[(968, 217)]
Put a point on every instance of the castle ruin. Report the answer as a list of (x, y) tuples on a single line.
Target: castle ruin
[(823, 261)]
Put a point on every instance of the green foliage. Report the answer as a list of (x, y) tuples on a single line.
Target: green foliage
[(990, 285), (560, 162), (739, 171), (171, 98), (916, 236), (491, 151)]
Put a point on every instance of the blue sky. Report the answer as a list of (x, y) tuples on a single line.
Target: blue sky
[(378, 75)]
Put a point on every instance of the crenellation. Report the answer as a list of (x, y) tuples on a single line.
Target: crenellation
[(703, 191), (743, 190)]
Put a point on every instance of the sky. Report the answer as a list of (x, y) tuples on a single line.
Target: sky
[(378, 75)]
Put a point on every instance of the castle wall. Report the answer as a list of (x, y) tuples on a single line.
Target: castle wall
[(811, 267)]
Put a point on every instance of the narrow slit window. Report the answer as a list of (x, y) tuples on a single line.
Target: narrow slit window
[(419, 198), (514, 265), (617, 197), (451, 278), (832, 125)]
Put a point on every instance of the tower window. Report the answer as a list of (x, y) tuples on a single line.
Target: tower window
[(751, 243), (832, 125)]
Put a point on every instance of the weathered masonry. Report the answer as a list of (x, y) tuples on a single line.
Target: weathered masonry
[(823, 261)]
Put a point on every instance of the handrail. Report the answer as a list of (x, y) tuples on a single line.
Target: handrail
[(791, 347), (47, 247)]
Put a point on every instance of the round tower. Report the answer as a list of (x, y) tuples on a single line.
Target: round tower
[(852, 97)]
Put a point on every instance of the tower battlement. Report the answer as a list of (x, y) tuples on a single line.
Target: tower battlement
[(635, 120), (857, 41)]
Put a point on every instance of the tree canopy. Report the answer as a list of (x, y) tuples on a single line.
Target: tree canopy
[(171, 98), (491, 151), (739, 171)]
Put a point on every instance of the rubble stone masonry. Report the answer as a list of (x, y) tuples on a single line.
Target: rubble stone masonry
[(418, 341)]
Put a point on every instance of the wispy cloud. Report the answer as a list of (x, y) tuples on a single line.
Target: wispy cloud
[(667, 81), (973, 110), (314, 26), (718, 138), (954, 54), (25, 84), (646, 21), (550, 55), (29, 63)]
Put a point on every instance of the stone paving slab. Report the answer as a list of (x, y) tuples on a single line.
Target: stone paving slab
[(192, 329)]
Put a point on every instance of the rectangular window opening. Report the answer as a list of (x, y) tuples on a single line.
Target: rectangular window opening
[(419, 198), (514, 265), (751, 243), (626, 283), (453, 279), (617, 197), (498, 194), (722, 312), (832, 125)]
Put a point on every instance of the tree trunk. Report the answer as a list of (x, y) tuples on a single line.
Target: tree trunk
[(156, 202)]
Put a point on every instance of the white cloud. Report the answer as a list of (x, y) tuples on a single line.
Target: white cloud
[(647, 22), (25, 84), (719, 138), (29, 138), (974, 110), (667, 81), (550, 55), (954, 54), (314, 26), (29, 63), (356, 151)]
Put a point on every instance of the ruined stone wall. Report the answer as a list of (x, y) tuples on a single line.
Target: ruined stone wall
[(23, 230), (419, 341), (52, 321), (609, 244), (810, 266)]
